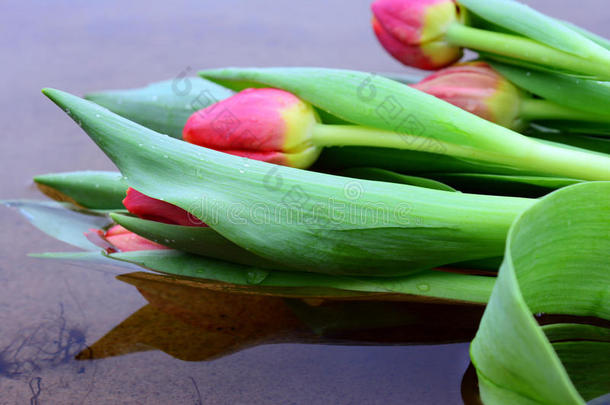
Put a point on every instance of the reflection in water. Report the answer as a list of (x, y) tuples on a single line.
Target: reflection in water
[(51, 345), (47, 345), (204, 320)]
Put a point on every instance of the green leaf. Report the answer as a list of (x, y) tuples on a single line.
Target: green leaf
[(592, 36), (164, 106), (90, 189), (507, 60), (588, 365), (429, 283), (371, 173), (57, 220), (89, 256), (306, 220), (203, 241), (579, 94), (530, 23), (497, 184), (556, 262)]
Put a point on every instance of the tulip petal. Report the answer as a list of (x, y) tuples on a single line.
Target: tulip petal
[(157, 210)]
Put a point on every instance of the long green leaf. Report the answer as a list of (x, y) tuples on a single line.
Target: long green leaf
[(530, 23), (588, 365), (291, 216), (164, 106), (202, 241), (372, 173), (592, 36), (579, 94), (426, 285), (507, 60), (430, 283), (90, 189), (556, 262), (497, 184)]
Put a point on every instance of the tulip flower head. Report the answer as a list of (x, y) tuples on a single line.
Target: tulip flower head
[(412, 31), (119, 239), (152, 209), (264, 124), (477, 88)]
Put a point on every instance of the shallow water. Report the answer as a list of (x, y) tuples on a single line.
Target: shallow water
[(71, 333)]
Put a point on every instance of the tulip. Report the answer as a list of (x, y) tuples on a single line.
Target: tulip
[(119, 239), (476, 88), (152, 209), (263, 124), (430, 34), (412, 31)]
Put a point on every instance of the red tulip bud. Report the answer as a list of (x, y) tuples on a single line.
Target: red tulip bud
[(412, 31), (119, 239), (476, 88), (156, 210), (265, 124)]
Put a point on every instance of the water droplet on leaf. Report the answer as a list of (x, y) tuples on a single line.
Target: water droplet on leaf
[(423, 287), (256, 276)]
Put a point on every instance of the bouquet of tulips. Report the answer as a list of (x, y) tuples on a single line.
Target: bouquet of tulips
[(324, 181)]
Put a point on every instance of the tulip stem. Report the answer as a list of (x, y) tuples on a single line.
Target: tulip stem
[(538, 109), (524, 49), (520, 152), (354, 135)]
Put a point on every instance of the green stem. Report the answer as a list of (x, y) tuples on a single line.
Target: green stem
[(354, 135), (520, 152), (538, 109), (523, 49)]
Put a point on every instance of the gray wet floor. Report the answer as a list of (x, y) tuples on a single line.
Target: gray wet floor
[(52, 312)]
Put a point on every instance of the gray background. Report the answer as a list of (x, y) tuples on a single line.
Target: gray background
[(81, 46)]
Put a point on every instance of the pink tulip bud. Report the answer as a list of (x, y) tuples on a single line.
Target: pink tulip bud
[(476, 88), (156, 210), (412, 31), (119, 239), (264, 124)]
